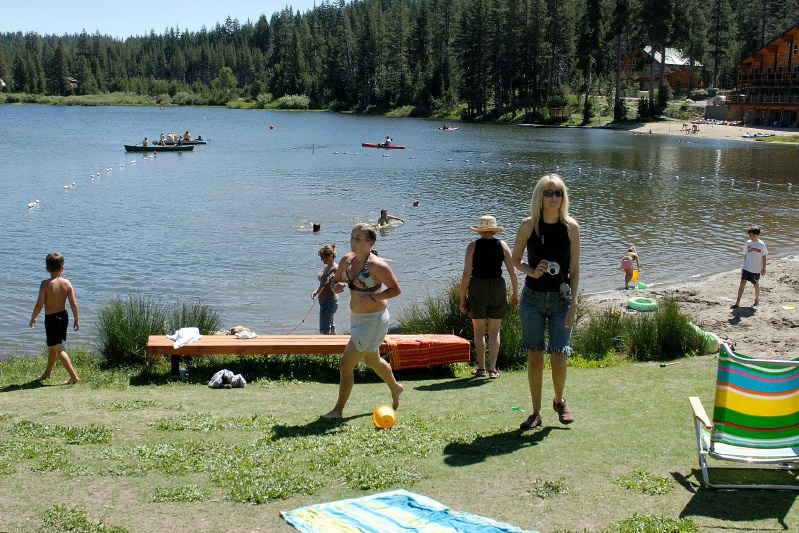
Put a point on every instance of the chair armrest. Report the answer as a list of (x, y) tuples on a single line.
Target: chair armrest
[(699, 411)]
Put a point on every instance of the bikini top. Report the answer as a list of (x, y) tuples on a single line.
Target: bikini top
[(363, 281)]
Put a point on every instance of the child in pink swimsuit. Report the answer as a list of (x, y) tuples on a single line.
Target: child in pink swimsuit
[(627, 265)]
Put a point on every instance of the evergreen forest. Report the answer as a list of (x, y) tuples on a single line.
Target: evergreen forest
[(481, 59)]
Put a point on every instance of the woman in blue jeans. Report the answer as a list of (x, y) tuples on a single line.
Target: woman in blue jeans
[(551, 238), (328, 299)]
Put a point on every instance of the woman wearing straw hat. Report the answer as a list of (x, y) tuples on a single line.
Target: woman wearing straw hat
[(551, 238), (484, 295)]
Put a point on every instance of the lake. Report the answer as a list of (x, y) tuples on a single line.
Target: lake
[(230, 223)]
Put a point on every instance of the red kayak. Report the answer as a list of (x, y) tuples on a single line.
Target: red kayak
[(381, 145)]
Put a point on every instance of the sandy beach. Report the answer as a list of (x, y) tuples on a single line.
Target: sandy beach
[(769, 330), (707, 131)]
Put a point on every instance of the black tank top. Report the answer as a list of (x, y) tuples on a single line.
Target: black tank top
[(487, 259), (551, 243)]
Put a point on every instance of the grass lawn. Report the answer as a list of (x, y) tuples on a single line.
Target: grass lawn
[(118, 453)]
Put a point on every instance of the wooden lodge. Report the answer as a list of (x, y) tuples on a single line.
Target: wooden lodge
[(671, 63), (768, 84)]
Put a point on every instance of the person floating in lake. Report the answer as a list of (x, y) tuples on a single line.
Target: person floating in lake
[(371, 282), (627, 265), (385, 219), (317, 228), (416, 203)]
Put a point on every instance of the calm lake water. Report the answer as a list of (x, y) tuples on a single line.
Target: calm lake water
[(229, 223)]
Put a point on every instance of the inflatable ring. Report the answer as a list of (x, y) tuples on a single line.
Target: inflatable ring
[(642, 304)]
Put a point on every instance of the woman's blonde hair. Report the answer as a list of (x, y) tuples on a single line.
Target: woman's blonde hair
[(549, 181)]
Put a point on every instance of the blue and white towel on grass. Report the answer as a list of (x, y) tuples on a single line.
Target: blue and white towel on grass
[(390, 512)]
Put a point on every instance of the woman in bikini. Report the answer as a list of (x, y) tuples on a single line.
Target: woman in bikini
[(371, 282)]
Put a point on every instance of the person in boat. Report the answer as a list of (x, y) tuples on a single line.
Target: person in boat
[(187, 136), (163, 138), (199, 137), (388, 141), (180, 141), (160, 142), (371, 282), (145, 142), (446, 127), (385, 219)]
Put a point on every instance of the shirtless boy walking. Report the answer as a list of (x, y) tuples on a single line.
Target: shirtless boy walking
[(53, 295)]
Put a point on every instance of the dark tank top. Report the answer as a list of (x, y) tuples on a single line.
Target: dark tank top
[(551, 243), (487, 259)]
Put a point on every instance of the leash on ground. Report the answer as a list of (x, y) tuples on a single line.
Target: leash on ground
[(303, 320)]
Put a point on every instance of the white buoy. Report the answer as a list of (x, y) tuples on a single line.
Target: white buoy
[(31, 205), (66, 187)]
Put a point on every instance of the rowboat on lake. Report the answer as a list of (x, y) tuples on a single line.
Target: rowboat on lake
[(382, 145), (171, 148)]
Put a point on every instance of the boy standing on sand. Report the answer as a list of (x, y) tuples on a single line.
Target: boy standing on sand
[(755, 253), (53, 295)]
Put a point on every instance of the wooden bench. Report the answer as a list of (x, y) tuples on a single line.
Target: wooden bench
[(404, 351)]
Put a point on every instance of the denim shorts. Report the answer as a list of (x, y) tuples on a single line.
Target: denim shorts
[(539, 311), (327, 310), (754, 277)]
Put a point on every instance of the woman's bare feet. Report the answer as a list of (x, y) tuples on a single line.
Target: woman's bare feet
[(43, 377), (333, 414), (395, 394), (71, 381)]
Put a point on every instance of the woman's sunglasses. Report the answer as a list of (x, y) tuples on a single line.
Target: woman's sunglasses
[(550, 193)]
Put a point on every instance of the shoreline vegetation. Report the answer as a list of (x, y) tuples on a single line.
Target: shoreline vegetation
[(664, 126), (137, 448)]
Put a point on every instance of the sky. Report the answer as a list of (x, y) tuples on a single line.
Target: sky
[(127, 19)]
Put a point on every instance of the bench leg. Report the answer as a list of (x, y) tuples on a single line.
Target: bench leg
[(175, 365)]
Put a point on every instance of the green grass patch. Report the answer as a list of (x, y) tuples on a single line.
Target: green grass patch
[(183, 493), (547, 488), (779, 138), (61, 518), (645, 482), (653, 524)]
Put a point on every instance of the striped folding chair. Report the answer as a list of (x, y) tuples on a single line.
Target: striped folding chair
[(755, 418)]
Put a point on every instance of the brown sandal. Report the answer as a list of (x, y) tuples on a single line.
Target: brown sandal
[(479, 372)]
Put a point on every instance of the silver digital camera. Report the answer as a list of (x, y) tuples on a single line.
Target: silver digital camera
[(552, 268)]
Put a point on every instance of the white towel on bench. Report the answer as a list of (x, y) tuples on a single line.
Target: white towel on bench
[(184, 336)]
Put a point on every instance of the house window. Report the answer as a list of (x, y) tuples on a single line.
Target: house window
[(755, 70), (795, 49), (768, 70), (781, 70)]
